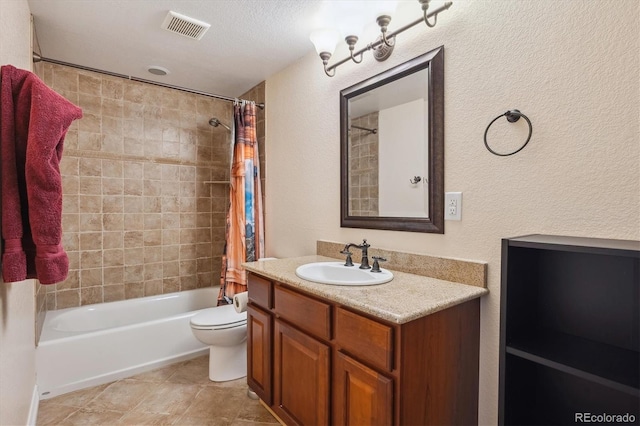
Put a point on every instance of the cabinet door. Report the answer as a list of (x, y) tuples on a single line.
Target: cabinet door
[(361, 396), (301, 377), (259, 352)]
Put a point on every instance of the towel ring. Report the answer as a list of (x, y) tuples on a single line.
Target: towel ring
[(512, 116)]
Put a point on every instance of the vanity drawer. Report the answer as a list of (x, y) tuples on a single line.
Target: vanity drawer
[(260, 291), (306, 313), (365, 338)]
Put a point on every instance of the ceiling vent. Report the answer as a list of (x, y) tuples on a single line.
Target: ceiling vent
[(183, 25)]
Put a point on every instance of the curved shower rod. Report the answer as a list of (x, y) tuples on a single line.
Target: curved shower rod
[(39, 58)]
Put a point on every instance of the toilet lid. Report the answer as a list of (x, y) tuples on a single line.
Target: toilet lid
[(220, 315)]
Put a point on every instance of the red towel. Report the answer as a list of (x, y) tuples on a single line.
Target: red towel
[(33, 123)]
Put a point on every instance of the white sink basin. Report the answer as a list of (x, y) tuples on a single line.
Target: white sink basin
[(336, 273)]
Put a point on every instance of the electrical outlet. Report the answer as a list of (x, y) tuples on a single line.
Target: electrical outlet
[(453, 206)]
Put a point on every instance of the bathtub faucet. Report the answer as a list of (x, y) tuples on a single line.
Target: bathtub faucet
[(364, 263)]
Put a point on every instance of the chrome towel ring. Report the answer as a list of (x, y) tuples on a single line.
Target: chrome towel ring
[(512, 116)]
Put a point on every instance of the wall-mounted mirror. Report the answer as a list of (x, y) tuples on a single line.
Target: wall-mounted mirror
[(392, 148)]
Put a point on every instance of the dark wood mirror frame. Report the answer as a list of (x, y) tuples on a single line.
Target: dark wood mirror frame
[(434, 62)]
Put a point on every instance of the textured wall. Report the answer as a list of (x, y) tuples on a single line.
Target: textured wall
[(17, 347), (570, 66)]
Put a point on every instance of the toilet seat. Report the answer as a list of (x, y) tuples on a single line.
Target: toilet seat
[(219, 318)]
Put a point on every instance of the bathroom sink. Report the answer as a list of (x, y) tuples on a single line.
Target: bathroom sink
[(336, 273)]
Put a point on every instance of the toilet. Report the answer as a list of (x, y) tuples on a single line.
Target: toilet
[(225, 331)]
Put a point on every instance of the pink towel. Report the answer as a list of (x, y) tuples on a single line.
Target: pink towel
[(33, 123)]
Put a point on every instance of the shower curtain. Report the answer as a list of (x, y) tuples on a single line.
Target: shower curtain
[(245, 227)]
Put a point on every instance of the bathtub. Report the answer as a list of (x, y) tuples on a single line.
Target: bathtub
[(95, 344)]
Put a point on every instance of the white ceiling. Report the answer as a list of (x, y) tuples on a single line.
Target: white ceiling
[(248, 41)]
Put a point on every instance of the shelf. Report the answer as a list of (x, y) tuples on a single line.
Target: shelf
[(541, 395), (569, 328), (625, 248), (607, 365)]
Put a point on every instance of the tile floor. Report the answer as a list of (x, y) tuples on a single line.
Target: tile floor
[(179, 394)]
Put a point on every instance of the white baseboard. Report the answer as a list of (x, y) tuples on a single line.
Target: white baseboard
[(33, 409)]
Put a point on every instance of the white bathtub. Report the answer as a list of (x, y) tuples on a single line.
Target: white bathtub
[(95, 344)]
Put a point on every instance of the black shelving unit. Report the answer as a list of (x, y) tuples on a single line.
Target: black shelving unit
[(569, 330)]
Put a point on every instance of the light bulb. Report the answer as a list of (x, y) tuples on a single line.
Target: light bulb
[(351, 17), (382, 7), (324, 40)]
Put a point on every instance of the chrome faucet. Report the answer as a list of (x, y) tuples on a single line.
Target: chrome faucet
[(364, 263)]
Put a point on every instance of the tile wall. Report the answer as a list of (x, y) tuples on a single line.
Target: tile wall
[(139, 217), (363, 166)]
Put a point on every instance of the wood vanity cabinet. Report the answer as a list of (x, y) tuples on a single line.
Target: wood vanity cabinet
[(315, 362)]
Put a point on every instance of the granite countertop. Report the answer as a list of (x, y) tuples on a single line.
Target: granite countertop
[(405, 298)]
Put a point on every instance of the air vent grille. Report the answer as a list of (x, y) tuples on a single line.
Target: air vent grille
[(183, 25)]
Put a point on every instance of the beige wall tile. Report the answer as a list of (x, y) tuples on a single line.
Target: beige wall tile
[(91, 123), (89, 84), (207, 279), (113, 293), (112, 88), (113, 275), (113, 222), (90, 104), (133, 256), (65, 79), (153, 254), (170, 269), (90, 278), (153, 287), (112, 107), (113, 257), (72, 281), (133, 239), (133, 274), (112, 168), (89, 221), (153, 272), (91, 259), (113, 204), (133, 187), (187, 251), (90, 140), (74, 259), (171, 236), (90, 295), (90, 185), (70, 202), (67, 299), (112, 239), (170, 285), (170, 253), (71, 241), (188, 282), (133, 290), (91, 241), (204, 265), (112, 186), (152, 237)]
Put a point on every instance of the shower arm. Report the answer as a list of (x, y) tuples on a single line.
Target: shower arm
[(215, 122)]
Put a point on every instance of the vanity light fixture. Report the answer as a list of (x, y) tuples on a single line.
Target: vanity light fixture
[(325, 39)]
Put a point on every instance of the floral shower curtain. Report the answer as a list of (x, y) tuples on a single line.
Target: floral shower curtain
[(245, 227)]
